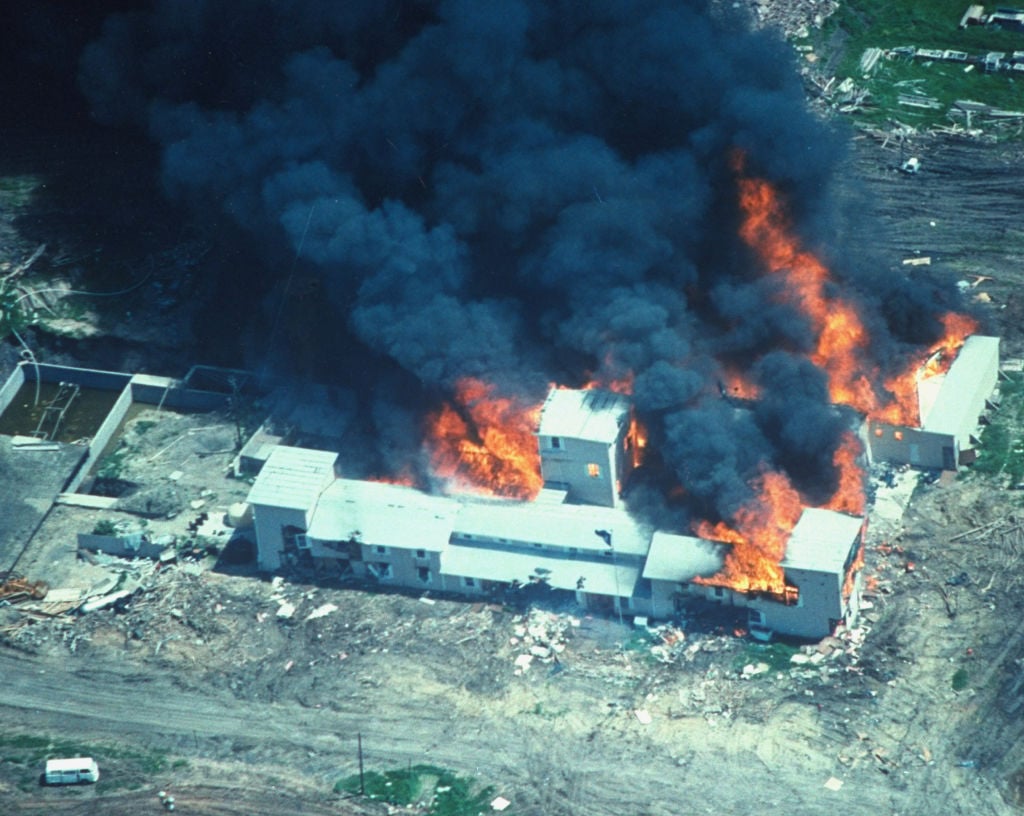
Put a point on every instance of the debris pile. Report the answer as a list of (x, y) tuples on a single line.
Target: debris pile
[(540, 635)]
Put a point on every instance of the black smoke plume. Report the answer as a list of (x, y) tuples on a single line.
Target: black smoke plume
[(520, 190)]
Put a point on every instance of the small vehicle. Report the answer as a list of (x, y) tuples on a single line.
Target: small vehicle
[(71, 771)]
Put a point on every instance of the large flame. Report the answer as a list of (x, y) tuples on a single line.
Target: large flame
[(842, 344), (486, 443), (842, 339), (758, 538)]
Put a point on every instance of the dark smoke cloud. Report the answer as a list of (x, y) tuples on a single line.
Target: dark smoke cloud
[(523, 190)]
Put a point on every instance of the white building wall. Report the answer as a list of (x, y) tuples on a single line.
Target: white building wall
[(269, 523)]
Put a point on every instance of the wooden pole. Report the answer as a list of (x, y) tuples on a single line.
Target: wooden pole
[(362, 785)]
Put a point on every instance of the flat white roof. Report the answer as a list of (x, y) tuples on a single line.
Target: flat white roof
[(954, 408), (821, 540), (681, 557), (71, 764), (559, 525), (594, 414), (293, 478), (602, 578), (381, 514)]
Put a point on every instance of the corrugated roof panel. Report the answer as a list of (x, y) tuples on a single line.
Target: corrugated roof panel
[(593, 414), (955, 405), (682, 558), (821, 540), (293, 478), (559, 525), (560, 573), (380, 514)]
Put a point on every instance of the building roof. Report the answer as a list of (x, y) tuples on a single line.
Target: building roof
[(599, 577), (379, 514), (558, 525), (594, 415), (293, 478), (681, 558), (821, 541), (954, 407)]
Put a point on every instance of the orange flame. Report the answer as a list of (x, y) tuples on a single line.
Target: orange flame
[(849, 496), (842, 338), (905, 407), (759, 538), (487, 444), (735, 384)]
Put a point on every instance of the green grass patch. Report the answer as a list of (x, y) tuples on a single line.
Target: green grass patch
[(1001, 453), (434, 790), (933, 24), (960, 679), (777, 655), (32, 750)]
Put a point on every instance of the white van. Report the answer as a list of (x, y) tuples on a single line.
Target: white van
[(71, 771)]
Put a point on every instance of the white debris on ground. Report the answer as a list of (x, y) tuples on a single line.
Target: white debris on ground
[(540, 635)]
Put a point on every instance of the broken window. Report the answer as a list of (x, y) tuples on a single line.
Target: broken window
[(898, 435), (380, 569), (421, 553), (594, 470), (423, 573), (469, 582)]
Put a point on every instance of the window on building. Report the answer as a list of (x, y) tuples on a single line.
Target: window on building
[(380, 569), (469, 582), (556, 442), (878, 431), (594, 470), (421, 553), (423, 573), (898, 435), (381, 550), (718, 592)]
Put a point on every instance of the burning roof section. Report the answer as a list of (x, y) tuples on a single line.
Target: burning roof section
[(952, 407), (679, 558)]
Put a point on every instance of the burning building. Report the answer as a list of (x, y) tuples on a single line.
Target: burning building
[(951, 406), (574, 538), (821, 568), (584, 444)]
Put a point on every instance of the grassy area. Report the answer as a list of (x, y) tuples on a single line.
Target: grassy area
[(429, 789), (777, 655), (1001, 453), (933, 24), (32, 751)]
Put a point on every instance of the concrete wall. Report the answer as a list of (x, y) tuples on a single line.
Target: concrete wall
[(568, 465), (86, 377), (901, 445), (171, 393), (101, 439), (10, 388), (813, 616), (269, 523)]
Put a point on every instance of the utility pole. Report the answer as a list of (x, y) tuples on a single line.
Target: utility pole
[(362, 781)]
